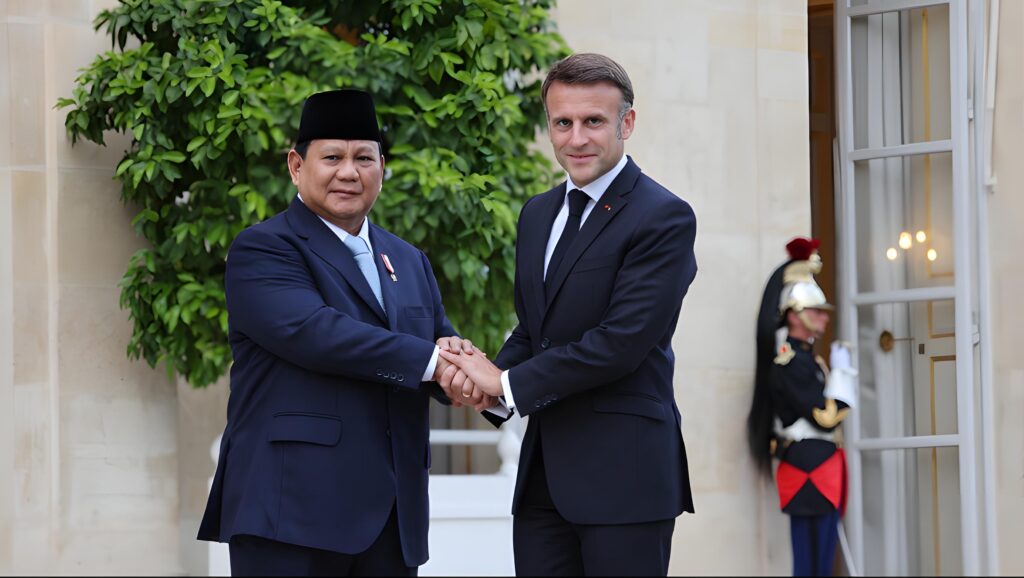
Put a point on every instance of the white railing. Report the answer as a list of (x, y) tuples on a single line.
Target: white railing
[(470, 515)]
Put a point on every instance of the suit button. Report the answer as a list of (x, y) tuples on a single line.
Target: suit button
[(401, 378), (395, 388), (538, 404), (387, 432), (379, 372), (545, 343)]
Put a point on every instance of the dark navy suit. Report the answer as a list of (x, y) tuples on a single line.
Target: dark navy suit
[(592, 362), (327, 430)]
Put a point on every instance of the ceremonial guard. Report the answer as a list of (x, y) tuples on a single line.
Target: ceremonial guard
[(798, 405)]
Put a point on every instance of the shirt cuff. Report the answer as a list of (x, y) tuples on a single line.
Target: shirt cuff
[(506, 390), (502, 410), (428, 375)]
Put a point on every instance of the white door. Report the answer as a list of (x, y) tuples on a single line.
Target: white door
[(905, 244)]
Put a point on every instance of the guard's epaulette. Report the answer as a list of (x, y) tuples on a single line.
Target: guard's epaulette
[(785, 354)]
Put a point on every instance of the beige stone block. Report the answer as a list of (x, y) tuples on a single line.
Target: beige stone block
[(789, 7), (786, 31), (736, 28), (44, 9), (74, 48), (28, 96), (733, 84), (682, 60), (33, 549), (782, 75), (31, 333), (720, 539), (783, 165), (150, 551), (93, 336), (724, 299), (202, 414), (681, 158), (28, 196), (6, 378), (5, 95), (96, 237), (32, 452)]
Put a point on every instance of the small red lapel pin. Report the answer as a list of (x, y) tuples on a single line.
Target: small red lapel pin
[(607, 207), (387, 265)]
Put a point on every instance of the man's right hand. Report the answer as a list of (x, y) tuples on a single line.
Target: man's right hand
[(459, 388)]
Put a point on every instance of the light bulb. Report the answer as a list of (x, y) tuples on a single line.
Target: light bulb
[(906, 241), (921, 237), (932, 255), (892, 253)]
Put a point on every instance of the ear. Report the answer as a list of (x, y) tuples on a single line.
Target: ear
[(628, 123), (294, 166)]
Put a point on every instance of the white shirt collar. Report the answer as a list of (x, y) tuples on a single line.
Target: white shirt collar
[(597, 188), (364, 231)]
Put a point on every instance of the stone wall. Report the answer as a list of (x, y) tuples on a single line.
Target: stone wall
[(88, 441), (1005, 240)]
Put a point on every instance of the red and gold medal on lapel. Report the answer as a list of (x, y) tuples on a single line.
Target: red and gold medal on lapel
[(387, 265)]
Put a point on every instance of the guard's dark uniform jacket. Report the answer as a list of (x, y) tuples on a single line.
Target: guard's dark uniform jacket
[(811, 477)]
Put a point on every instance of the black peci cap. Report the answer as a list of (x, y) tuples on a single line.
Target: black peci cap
[(339, 114)]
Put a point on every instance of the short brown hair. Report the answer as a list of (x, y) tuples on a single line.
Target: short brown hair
[(589, 68)]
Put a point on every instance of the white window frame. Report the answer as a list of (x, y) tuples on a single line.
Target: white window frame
[(962, 291)]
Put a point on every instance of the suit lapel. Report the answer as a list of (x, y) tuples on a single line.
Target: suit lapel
[(534, 245), (390, 290), (611, 202), (328, 247)]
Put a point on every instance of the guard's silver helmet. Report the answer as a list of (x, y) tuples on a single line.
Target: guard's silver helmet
[(800, 291)]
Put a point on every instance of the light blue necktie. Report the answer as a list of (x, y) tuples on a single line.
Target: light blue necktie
[(364, 259)]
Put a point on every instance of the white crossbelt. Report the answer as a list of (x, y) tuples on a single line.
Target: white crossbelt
[(800, 430)]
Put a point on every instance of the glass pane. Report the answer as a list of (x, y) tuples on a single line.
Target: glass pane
[(907, 368), (904, 212), (912, 512), (901, 77)]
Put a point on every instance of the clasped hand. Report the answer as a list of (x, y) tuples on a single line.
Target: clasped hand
[(466, 375)]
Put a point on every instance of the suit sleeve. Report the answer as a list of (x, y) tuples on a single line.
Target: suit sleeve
[(273, 301), (656, 272), (442, 328)]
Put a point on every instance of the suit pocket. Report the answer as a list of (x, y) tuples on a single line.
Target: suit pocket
[(594, 263), (324, 430), (629, 404)]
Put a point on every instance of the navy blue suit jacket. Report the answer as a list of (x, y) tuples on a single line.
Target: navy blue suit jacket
[(592, 362), (327, 419)]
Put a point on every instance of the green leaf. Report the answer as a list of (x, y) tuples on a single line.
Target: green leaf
[(195, 143)]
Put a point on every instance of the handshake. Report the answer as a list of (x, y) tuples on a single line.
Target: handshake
[(466, 375)]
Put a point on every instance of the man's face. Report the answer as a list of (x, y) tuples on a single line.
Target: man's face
[(816, 321), (339, 179), (583, 123)]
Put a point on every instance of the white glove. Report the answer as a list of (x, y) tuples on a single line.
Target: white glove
[(842, 379), (839, 358)]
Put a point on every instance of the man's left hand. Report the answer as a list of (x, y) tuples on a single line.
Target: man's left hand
[(484, 374)]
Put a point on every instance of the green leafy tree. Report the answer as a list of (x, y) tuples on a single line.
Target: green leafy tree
[(211, 92)]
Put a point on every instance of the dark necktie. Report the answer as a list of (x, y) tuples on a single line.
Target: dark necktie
[(577, 202)]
